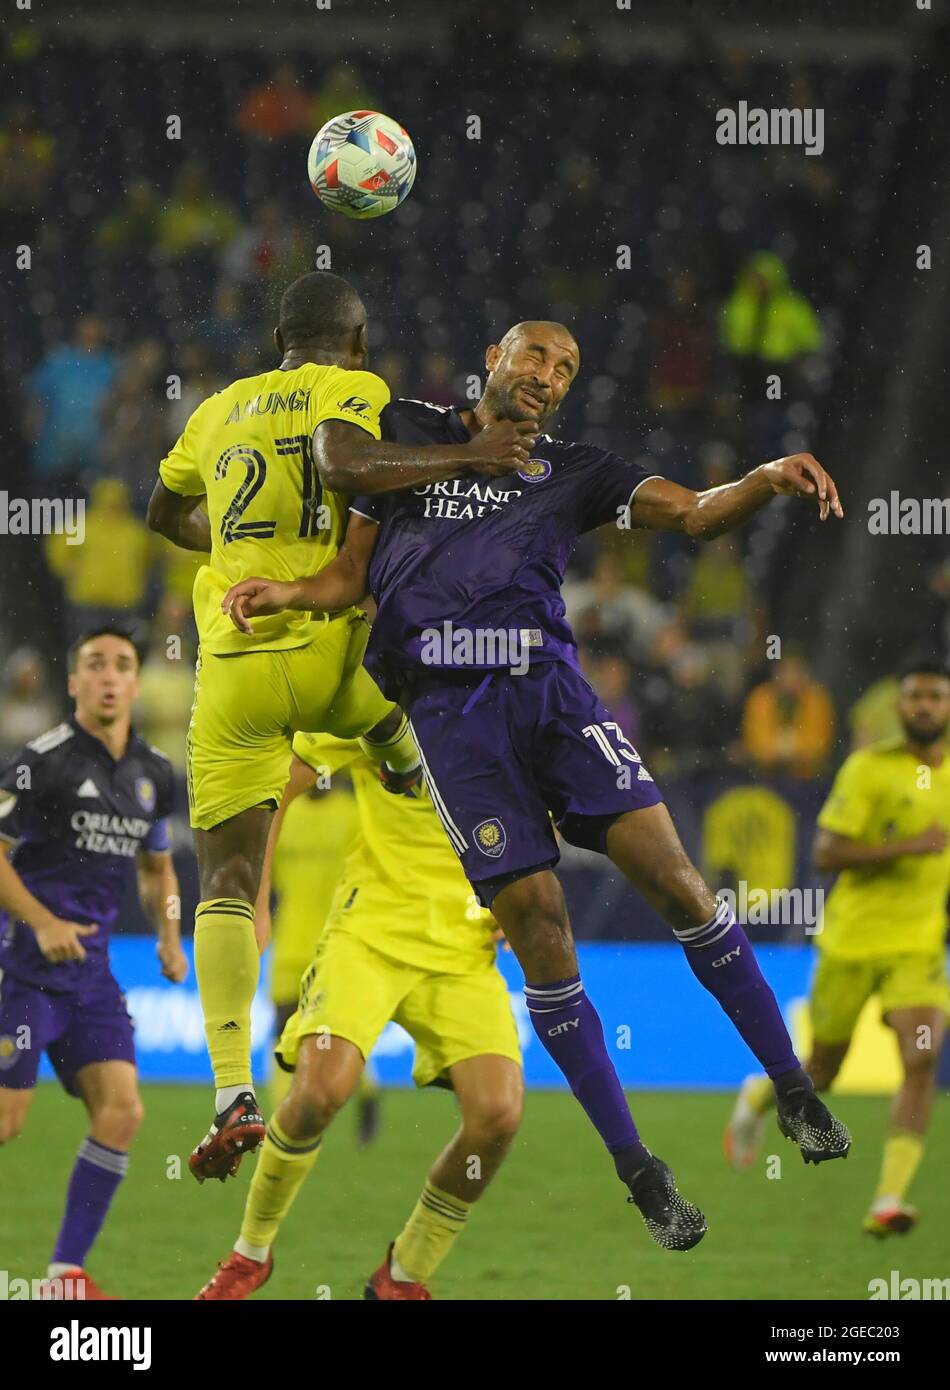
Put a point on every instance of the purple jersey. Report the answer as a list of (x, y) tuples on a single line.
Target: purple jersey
[(484, 555), (77, 818)]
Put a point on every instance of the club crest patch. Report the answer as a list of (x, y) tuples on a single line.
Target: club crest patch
[(491, 838), (535, 471), (145, 791)]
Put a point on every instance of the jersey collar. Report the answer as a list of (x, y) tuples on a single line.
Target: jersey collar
[(95, 746)]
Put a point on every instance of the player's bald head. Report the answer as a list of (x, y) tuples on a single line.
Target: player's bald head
[(549, 330), (320, 310), (531, 370)]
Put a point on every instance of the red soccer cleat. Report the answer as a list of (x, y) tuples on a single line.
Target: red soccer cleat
[(383, 1287), (235, 1132), (76, 1285), (237, 1278)]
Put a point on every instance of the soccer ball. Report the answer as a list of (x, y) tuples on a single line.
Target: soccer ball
[(361, 164)]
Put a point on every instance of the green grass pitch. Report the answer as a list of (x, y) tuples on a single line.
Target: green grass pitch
[(554, 1225)]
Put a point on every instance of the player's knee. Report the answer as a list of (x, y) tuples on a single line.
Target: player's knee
[(920, 1064), (316, 1103), (495, 1121), (235, 877), (119, 1121)]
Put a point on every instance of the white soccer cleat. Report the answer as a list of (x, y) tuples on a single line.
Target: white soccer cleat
[(742, 1139)]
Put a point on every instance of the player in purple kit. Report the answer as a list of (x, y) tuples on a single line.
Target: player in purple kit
[(471, 637), (78, 806)]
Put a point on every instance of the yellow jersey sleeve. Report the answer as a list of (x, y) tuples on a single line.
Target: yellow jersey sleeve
[(359, 398), (180, 470), (850, 805), (326, 754)]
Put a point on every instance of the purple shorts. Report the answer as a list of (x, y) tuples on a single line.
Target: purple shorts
[(501, 752), (73, 1028)]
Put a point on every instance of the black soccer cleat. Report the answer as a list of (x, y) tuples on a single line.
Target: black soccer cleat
[(674, 1223), (235, 1132), (805, 1119)]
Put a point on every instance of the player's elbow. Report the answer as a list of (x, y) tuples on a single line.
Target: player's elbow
[(822, 856), (338, 472), (156, 518)]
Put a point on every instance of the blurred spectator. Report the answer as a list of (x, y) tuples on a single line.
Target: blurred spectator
[(252, 253), (132, 226), (873, 716), (612, 677), (716, 601), (196, 218), (680, 342), (607, 612), (689, 719), (342, 90), (231, 345), (27, 708), (278, 107), (765, 320), (134, 431), (788, 723), (67, 391), (26, 167), (436, 383), (105, 578), (167, 680), (199, 379)]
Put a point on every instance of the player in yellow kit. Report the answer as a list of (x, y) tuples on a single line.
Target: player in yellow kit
[(884, 831), (315, 836), (249, 481), (405, 940)]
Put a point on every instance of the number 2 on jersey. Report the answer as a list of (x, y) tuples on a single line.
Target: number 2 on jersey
[(233, 527)]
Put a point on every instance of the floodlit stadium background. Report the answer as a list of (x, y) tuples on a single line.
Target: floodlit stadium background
[(568, 168)]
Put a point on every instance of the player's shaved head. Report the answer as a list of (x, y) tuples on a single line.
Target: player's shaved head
[(530, 371), (320, 311)]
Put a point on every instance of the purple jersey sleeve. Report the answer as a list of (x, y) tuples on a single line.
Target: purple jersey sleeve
[(21, 796), (157, 838), (372, 507), (608, 483)]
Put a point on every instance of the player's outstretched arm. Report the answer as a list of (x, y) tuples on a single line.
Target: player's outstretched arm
[(58, 940), (832, 852), (161, 900), (302, 778), (660, 505), (344, 582), (349, 460), (181, 519)]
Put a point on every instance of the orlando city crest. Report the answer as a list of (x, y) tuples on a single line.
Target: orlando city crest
[(535, 471), (145, 791), (491, 838)]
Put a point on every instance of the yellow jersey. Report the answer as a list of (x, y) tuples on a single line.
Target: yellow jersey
[(247, 451), (402, 888), (883, 793)]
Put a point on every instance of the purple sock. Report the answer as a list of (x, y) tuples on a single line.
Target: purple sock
[(721, 957), (95, 1178), (570, 1029)]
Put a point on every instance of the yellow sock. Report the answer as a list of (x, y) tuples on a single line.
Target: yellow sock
[(903, 1151), (760, 1094), (430, 1232), (399, 751), (282, 1165), (227, 965)]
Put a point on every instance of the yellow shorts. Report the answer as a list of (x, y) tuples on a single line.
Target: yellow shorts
[(248, 707), (842, 987), (352, 991)]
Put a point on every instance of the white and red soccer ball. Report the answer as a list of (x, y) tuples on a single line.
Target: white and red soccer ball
[(361, 164)]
